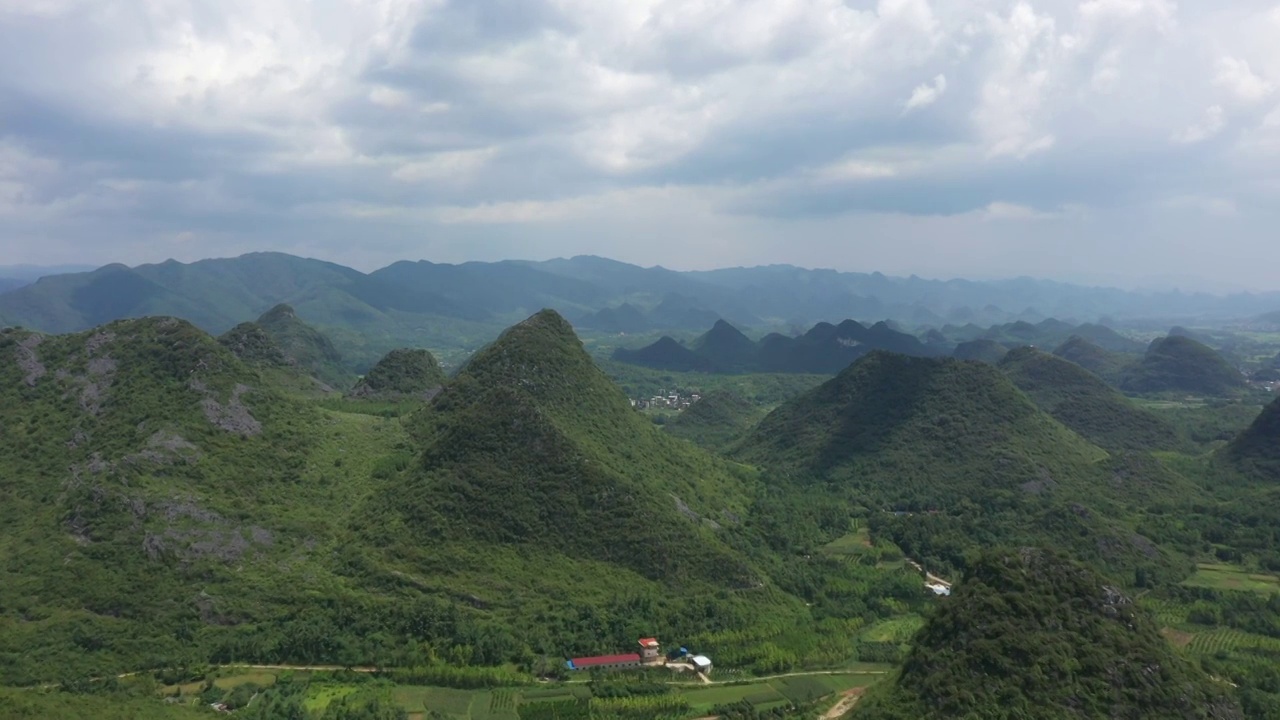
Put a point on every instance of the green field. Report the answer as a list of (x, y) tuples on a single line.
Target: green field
[(1220, 576), (855, 543), (504, 703), (895, 630)]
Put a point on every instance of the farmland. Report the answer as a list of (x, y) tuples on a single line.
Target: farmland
[(1219, 576), (613, 696)]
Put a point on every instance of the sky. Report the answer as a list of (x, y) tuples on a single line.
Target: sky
[(1124, 142)]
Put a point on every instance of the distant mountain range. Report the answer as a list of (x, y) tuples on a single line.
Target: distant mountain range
[(460, 307)]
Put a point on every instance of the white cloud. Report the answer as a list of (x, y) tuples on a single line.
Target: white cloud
[(455, 166), (1235, 75), (1213, 122), (149, 119), (926, 94), (1013, 211)]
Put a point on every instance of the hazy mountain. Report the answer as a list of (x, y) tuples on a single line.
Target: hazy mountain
[(1049, 638), (665, 354), (726, 348), (1181, 364), (1083, 402), (982, 350), (1108, 365), (824, 349), (431, 304), (626, 318)]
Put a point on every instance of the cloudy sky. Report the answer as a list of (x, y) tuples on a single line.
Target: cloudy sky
[(1124, 141)]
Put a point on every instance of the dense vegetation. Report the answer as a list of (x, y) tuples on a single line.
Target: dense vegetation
[(169, 501), (1180, 364), (305, 347), (715, 421), (1083, 402), (949, 455), (1030, 634), (401, 373), (1106, 364)]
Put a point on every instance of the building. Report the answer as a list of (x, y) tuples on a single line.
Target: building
[(605, 662), (701, 663), (650, 651), (938, 589)]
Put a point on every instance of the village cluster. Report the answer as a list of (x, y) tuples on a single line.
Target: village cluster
[(667, 400)]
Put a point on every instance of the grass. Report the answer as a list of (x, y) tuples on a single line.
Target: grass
[(855, 543), (319, 696), (456, 703), (895, 630), (1220, 576)]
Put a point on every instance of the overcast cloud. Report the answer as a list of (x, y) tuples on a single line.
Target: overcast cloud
[(1108, 140)]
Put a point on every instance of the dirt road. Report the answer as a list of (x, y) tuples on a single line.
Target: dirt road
[(846, 704)]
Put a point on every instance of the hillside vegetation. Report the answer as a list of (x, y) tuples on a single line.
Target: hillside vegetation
[(1083, 402), (949, 455), (305, 347), (401, 373), (715, 421), (1181, 364), (1030, 634)]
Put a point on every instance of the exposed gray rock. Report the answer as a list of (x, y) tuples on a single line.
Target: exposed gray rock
[(29, 359), (233, 416)]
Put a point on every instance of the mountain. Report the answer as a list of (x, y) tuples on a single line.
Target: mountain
[(305, 347), (156, 487), (716, 420), (531, 419), (7, 284), (1256, 451), (402, 373), (726, 348), (824, 349), (665, 354), (1108, 365), (982, 350), (1031, 634), (1083, 402), (1181, 364), (213, 294), (250, 342), (626, 318), (948, 455), (415, 304)]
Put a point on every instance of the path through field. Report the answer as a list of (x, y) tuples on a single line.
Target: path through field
[(846, 703)]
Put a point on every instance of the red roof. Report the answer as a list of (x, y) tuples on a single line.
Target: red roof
[(605, 660), (648, 642)]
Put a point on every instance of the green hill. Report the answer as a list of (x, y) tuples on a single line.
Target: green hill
[(665, 354), (1087, 405), (1181, 364), (726, 348), (531, 421), (716, 420), (949, 455), (401, 373), (1256, 451), (1028, 634), (153, 484), (305, 347), (982, 350), (1108, 365), (250, 342)]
